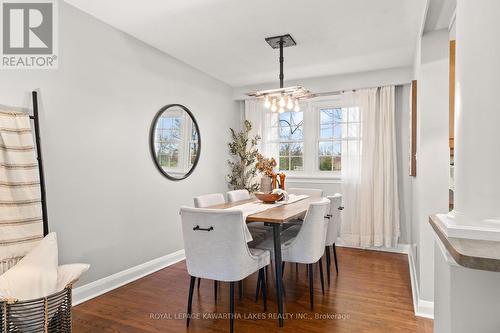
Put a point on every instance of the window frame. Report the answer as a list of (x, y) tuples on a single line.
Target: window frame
[(315, 107), (331, 139), (311, 132), (278, 142)]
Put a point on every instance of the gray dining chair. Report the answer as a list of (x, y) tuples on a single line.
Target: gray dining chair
[(334, 217), (228, 257), (307, 245)]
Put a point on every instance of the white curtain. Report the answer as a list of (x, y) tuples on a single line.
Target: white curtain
[(261, 121), (369, 173), (256, 114)]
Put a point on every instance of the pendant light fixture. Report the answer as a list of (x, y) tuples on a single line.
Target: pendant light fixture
[(283, 98)]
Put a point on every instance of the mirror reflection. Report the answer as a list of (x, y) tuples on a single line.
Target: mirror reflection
[(175, 141)]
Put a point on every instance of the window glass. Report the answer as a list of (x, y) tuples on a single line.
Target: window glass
[(337, 126), (290, 126)]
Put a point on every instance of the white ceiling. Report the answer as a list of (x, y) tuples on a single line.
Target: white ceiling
[(225, 38), (439, 14)]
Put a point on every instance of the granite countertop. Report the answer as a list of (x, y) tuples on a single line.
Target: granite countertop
[(470, 253)]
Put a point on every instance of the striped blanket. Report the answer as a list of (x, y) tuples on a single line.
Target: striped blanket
[(20, 207)]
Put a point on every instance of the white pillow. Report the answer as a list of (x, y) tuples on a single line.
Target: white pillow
[(35, 275), (69, 273)]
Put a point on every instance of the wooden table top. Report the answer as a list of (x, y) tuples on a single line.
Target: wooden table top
[(280, 214)]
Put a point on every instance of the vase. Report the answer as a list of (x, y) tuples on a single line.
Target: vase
[(266, 184)]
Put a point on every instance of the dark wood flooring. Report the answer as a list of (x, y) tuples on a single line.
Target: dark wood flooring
[(371, 294)]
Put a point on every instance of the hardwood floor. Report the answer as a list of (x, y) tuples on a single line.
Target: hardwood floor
[(371, 294)]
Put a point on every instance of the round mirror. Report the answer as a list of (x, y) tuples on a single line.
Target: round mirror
[(175, 141)]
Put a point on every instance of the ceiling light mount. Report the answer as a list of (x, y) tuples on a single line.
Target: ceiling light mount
[(275, 41)]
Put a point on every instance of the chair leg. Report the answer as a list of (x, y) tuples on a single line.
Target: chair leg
[(282, 277), (321, 276), (264, 288), (240, 289), (190, 299), (297, 267), (257, 289), (199, 283), (311, 284), (265, 271), (335, 257), (328, 262), (231, 307), (215, 290)]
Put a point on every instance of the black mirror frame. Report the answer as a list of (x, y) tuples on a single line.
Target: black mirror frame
[(152, 137)]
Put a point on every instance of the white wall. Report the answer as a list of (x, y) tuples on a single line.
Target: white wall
[(106, 200), (430, 186)]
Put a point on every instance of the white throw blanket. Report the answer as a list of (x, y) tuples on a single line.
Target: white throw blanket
[(20, 207)]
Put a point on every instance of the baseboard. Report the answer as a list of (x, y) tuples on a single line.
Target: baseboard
[(101, 286), (425, 309), (401, 248), (421, 307)]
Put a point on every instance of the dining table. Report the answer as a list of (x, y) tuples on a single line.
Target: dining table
[(275, 216)]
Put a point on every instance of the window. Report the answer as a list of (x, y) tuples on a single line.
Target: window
[(312, 142), (290, 128), (338, 131), (330, 136)]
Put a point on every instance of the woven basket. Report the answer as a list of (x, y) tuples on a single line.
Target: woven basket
[(51, 314)]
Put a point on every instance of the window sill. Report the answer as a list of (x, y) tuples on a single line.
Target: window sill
[(317, 179)]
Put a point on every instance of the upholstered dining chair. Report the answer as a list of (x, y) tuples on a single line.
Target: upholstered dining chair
[(334, 217), (228, 259), (257, 229), (207, 200), (238, 195), (307, 245), (213, 199), (311, 192), (204, 201)]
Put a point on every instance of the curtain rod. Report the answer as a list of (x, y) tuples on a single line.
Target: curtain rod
[(338, 92)]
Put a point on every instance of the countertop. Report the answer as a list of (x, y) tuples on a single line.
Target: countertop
[(470, 253)]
